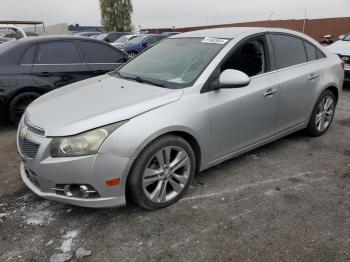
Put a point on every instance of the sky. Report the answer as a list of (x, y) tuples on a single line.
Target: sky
[(177, 13)]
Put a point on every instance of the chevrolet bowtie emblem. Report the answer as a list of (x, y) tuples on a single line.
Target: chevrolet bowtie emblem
[(23, 132)]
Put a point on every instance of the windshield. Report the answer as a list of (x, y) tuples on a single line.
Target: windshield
[(122, 40), (137, 39), (347, 38), (101, 36), (175, 63)]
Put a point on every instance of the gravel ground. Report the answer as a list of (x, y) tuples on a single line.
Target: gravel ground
[(287, 201)]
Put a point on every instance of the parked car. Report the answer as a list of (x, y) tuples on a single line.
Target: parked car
[(342, 48), (140, 43), (182, 106), (123, 40), (15, 32), (4, 39), (170, 33), (32, 34), (88, 34), (111, 37), (33, 66)]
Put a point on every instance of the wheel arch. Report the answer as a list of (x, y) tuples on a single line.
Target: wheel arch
[(21, 90), (334, 90), (184, 133)]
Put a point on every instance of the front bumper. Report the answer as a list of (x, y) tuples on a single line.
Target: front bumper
[(94, 203), (347, 76), (43, 174)]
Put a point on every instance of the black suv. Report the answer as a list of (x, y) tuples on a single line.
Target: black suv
[(33, 66)]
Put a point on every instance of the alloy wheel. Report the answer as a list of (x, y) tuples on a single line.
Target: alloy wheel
[(324, 114), (166, 174)]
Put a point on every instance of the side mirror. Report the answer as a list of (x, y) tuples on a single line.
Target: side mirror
[(145, 44), (231, 78)]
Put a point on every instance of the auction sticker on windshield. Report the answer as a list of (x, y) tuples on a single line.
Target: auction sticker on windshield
[(210, 40)]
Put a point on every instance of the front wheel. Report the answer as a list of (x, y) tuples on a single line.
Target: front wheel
[(322, 115), (19, 104), (161, 173)]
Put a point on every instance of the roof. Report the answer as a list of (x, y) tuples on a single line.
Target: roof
[(38, 39), (231, 32)]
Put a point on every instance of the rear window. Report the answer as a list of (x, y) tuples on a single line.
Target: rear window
[(289, 50)]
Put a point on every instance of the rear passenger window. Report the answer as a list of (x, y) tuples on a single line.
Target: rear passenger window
[(57, 53), (29, 55), (310, 51), (289, 50), (100, 53), (320, 54)]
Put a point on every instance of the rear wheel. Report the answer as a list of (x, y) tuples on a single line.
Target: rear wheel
[(322, 115), (161, 173), (19, 104)]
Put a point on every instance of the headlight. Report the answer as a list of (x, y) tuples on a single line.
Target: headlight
[(87, 143)]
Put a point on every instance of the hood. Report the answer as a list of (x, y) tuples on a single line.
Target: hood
[(95, 102), (339, 47)]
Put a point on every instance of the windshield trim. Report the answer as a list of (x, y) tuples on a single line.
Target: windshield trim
[(167, 84)]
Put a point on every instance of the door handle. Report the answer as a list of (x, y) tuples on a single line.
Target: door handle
[(313, 76), (45, 74), (270, 92)]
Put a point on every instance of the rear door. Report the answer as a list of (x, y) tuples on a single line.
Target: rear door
[(298, 78), (101, 58), (58, 64)]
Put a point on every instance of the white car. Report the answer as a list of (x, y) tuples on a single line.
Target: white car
[(122, 40), (342, 48)]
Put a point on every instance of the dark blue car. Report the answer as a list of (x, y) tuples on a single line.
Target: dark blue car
[(141, 42)]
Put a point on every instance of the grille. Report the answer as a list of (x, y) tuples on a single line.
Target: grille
[(33, 129), (28, 149)]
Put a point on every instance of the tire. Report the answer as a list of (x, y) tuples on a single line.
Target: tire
[(149, 179), (322, 114), (18, 104), (132, 53)]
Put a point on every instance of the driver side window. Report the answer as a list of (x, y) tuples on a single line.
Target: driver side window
[(250, 58)]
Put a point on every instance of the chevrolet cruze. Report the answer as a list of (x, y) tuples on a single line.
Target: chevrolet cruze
[(188, 103)]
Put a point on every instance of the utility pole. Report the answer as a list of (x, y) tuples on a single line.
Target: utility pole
[(270, 17), (304, 24)]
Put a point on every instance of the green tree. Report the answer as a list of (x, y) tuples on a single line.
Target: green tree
[(116, 15)]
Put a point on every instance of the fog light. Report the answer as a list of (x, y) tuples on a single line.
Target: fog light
[(81, 191)]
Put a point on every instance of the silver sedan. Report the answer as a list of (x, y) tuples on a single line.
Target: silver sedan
[(190, 102)]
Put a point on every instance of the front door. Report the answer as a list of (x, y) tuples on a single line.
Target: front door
[(242, 117)]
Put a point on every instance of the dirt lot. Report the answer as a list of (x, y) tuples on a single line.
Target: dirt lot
[(288, 201)]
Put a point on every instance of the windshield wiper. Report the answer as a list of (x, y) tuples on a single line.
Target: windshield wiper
[(140, 80)]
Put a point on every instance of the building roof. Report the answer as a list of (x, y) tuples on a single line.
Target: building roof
[(17, 22)]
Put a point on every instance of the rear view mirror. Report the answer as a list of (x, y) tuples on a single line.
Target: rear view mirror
[(231, 78)]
